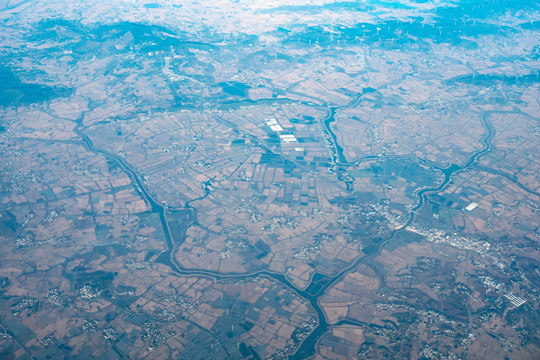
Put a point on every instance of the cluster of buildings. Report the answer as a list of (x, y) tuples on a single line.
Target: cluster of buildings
[(515, 300), (274, 125)]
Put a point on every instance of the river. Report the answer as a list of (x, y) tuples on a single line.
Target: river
[(318, 287)]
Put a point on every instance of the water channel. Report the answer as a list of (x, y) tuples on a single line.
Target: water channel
[(319, 285)]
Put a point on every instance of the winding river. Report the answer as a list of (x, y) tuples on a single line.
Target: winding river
[(318, 287)]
